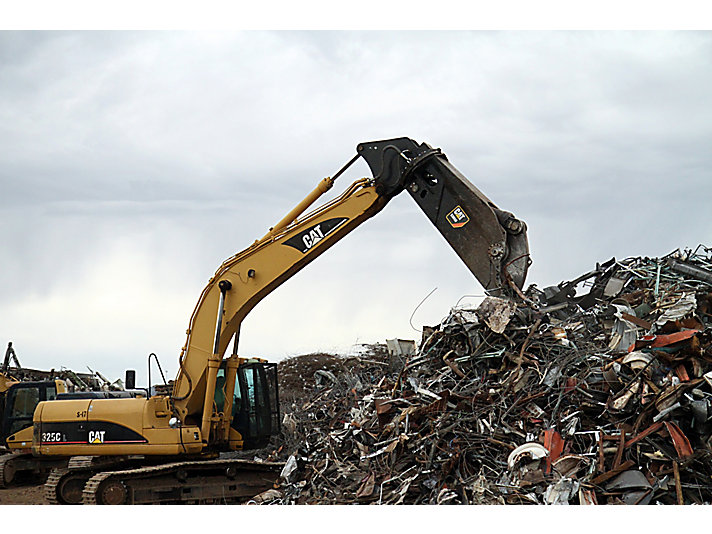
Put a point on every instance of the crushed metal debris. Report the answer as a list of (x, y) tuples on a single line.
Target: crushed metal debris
[(594, 391)]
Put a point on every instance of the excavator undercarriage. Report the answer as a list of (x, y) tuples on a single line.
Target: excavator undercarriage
[(92, 480)]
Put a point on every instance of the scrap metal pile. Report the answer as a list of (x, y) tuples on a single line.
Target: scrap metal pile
[(92, 381), (595, 391)]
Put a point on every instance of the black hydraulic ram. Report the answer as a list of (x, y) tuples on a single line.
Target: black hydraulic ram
[(491, 242)]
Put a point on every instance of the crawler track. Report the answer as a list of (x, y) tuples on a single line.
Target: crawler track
[(51, 486), (65, 485), (14, 465), (194, 482), (7, 471)]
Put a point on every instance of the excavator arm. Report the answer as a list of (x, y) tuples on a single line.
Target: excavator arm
[(491, 243)]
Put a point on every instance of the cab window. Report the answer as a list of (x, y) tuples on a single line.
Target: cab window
[(26, 400)]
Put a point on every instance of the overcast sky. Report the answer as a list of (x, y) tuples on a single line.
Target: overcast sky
[(133, 164)]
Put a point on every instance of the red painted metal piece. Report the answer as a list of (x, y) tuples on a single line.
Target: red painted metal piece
[(682, 373), (679, 439), (662, 341), (650, 430), (554, 444)]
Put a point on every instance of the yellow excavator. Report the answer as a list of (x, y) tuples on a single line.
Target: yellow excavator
[(21, 390), (165, 448), (18, 400)]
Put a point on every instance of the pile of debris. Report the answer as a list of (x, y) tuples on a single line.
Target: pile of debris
[(12, 371), (603, 397)]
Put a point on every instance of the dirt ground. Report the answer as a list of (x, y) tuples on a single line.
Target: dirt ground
[(26, 494)]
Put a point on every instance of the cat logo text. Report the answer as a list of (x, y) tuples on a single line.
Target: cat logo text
[(96, 436)]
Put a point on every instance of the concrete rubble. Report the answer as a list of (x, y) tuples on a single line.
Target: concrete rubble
[(594, 391)]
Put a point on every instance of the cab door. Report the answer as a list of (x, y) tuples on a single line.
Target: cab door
[(256, 407), (20, 403)]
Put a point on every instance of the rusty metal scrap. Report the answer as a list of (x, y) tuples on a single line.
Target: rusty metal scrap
[(595, 391), (74, 381)]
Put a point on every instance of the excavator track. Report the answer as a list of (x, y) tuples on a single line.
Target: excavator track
[(80, 462), (24, 464), (66, 485), (7, 470), (196, 482), (50, 487)]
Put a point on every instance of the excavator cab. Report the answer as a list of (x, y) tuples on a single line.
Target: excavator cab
[(19, 405), (255, 406), (258, 416)]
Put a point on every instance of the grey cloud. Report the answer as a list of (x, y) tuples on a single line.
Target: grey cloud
[(184, 147)]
